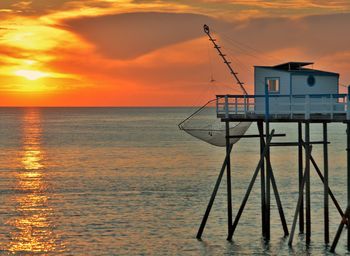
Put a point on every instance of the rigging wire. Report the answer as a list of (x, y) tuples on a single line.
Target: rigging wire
[(207, 86), (222, 55), (248, 48), (210, 62), (242, 65), (244, 50)]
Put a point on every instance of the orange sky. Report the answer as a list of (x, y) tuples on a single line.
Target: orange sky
[(153, 52)]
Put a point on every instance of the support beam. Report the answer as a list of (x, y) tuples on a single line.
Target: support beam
[(286, 144), (325, 185), (212, 198), (307, 188), (250, 187), (318, 171), (228, 172), (279, 203), (297, 209), (336, 204), (255, 135), (344, 221), (300, 168), (262, 180)]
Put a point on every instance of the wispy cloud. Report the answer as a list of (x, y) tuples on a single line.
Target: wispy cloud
[(130, 35)]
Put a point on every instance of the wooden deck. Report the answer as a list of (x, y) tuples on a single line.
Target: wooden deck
[(314, 118), (316, 108)]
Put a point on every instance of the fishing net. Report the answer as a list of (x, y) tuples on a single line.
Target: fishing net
[(204, 125)]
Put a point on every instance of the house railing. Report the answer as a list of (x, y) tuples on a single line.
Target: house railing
[(272, 104)]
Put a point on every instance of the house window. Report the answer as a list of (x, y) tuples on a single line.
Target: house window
[(273, 84), (311, 80)]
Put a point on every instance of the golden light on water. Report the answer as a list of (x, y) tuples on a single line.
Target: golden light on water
[(33, 226)]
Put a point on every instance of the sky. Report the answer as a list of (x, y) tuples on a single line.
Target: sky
[(154, 52)]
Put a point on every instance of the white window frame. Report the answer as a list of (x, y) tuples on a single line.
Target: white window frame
[(267, 79)]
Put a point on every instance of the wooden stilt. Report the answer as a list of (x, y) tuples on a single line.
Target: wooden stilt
[(267, 186), (348, 174), (307, 188), (228, 172), (325, 183), (262, 180), (274, 186), (300, 167), (212, 198), (251, 184)]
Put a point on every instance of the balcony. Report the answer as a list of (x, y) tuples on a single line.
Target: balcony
[(284, 108)]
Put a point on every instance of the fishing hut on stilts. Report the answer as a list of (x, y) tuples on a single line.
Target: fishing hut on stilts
[(285, 93)]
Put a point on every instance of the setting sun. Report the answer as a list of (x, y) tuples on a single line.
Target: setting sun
[(31, 74)]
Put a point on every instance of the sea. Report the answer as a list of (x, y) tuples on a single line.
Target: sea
[(127, 181)]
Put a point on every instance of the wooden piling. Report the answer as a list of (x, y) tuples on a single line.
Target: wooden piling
[(307, 188), (325, 184), (262, 179), (348, 176), (212, 198), (300, 168), (268, 171), (267, 186), (228, 172)]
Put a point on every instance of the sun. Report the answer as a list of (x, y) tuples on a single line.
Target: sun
[(31, 74)]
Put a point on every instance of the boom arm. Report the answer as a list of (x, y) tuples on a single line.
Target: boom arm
[(228, 64)]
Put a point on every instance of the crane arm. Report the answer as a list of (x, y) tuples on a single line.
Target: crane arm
[(223, 56)]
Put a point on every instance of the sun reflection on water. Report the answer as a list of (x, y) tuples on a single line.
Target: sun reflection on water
[(33, 225)]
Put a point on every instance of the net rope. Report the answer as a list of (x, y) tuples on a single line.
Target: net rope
[(204, 125)]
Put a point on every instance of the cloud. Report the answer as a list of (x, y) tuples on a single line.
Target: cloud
[(42, 7), (130, 35), (155, 58), (246, 9), (317, 35)]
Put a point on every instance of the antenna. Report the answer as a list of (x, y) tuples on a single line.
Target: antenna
[(228, 64)]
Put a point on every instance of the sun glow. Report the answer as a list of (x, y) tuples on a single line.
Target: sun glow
[(31, 74)]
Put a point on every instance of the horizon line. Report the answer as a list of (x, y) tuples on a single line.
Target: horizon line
[(175, 106)]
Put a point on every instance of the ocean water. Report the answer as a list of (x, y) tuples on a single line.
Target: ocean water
[(127, 181)]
